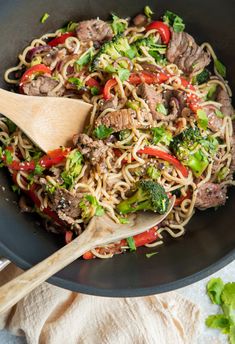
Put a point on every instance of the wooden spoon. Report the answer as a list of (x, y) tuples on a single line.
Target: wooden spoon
[(99, 232), (50, 122)]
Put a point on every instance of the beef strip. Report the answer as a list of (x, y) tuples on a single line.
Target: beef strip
[(140, 20), (185, 53), (109, 104), (93, 150), (42, 86), (214, 122), (119, 120), (95, 30), (52, 58), (223, 98), (210, 195), (65, 203), (153, 98), (125, 119)]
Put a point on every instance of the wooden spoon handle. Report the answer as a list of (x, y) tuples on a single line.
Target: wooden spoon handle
[(16, 289)]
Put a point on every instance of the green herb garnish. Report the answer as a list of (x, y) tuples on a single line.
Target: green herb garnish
[(148, 12), (44, 17), (85, 59), (220, 67), (123, 74), (161, 108), (73, 168), (149, 255), (131, 244), (102, 132), (9, 157), (202, 119), (223, 295), (174, 20), (77, 82)]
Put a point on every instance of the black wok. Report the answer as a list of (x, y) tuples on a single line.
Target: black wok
[(209, 242)]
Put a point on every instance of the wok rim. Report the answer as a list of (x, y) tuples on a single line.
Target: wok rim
[(125, 292)]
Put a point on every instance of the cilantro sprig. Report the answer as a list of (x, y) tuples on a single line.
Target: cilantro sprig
[(223, 295)]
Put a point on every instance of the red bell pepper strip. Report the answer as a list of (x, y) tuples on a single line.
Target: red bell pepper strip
[(52, 158), (139, 239), (167, 157), (68, 236), (146, 237), (37, 69), (163, 30), (88, 255), (61, 39), (148, 78), (94, 83), (107, 88), (179, 200)]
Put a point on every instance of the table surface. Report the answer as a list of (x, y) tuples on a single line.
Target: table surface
[(195, 293)]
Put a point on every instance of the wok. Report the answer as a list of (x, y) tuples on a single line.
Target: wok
[(209, 242)]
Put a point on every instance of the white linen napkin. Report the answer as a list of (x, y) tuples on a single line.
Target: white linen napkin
[(52, 315)]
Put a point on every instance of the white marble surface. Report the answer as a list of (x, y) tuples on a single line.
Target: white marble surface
[(195, 293)]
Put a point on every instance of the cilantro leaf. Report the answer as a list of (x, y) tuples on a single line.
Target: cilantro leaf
[(117, 24), (73, 168), (38, 169), (219, 114), (102, 132), (228, 294), (77, 82), (211, 92), (214, 289), (123, 74), (220, 67), (95, 91), (148, 12), (16, 189), (123, 220), (9, 157), (149, 255), (161, 108), (174, 20), (202, 119), (131, 244), (84, 59), (218, 321), (90, 206), (44, 17)]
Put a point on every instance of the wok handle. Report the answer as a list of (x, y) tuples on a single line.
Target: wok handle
[(3, 263)]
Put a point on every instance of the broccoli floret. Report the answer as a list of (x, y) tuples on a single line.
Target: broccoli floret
[(202, 77), (149, 195), (150, 43), (186, 147), (121, 44), (115, 48)]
